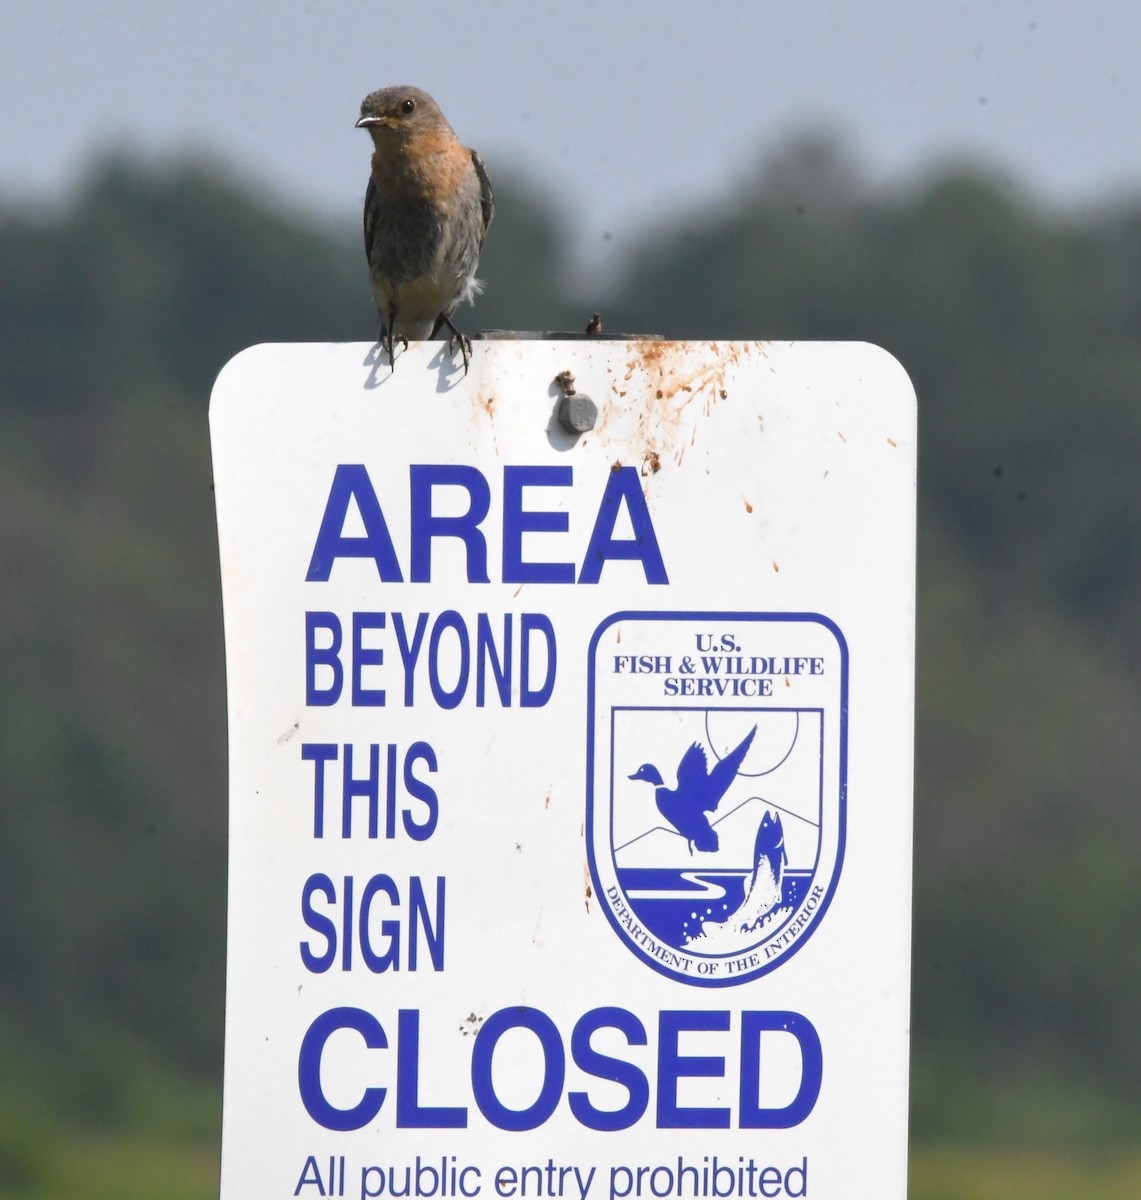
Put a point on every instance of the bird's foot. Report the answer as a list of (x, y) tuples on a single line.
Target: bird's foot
[(388, 339), (388, 345), (463, 342), (458, 340)]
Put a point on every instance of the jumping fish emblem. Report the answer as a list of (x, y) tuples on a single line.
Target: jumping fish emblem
[(769, 858)]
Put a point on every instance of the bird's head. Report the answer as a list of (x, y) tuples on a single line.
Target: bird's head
[(649, 773), (394, 116)]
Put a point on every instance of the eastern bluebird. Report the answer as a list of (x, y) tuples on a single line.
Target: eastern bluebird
[(426, 213)]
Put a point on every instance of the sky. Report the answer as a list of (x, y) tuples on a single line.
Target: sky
[(622, 113)]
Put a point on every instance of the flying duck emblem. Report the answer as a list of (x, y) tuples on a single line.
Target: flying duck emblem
[(698, 792)]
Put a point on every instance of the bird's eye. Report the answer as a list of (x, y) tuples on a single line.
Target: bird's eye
[(408, 107)]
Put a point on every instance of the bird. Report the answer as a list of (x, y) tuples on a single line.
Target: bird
[(427, 207), (698, 792)]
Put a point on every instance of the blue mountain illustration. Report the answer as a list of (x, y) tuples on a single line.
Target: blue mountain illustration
[(699, 790)]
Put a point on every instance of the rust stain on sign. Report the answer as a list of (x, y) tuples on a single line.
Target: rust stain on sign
[(484, 405), (661, 384)]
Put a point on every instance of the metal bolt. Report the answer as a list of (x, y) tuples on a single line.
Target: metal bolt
[(576, 413)]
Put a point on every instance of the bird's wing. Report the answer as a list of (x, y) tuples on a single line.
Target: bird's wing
[(486, 195), (693, 774), (369, 217), (722, 774)]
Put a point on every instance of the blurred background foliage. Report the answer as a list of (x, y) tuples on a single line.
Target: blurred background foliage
[(1021, 329)]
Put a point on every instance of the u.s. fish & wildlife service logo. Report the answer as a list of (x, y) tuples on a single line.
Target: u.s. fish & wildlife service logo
[(716, 785)]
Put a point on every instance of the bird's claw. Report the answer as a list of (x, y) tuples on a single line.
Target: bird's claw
[(457, 339), (388, 345), (462, 341)]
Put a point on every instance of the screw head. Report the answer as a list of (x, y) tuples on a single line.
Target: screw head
[(577, 413)]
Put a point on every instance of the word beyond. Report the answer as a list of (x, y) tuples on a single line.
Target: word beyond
[(450, 655), (466, 488), (544, 1055)]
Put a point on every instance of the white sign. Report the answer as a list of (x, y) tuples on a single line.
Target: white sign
[(570, 811)]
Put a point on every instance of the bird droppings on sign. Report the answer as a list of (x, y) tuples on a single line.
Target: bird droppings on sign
[(892, 443), (776, 566), (841, 437), (748, 506), (652, 464), (289, 733), (471, 1024), (586, 884)]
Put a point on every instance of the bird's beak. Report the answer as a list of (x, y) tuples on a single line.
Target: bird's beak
[(370, 122)]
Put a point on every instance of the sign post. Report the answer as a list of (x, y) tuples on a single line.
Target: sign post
[(570, 773)]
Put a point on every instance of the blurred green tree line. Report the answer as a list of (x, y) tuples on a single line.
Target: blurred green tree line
[(1021, 329)]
